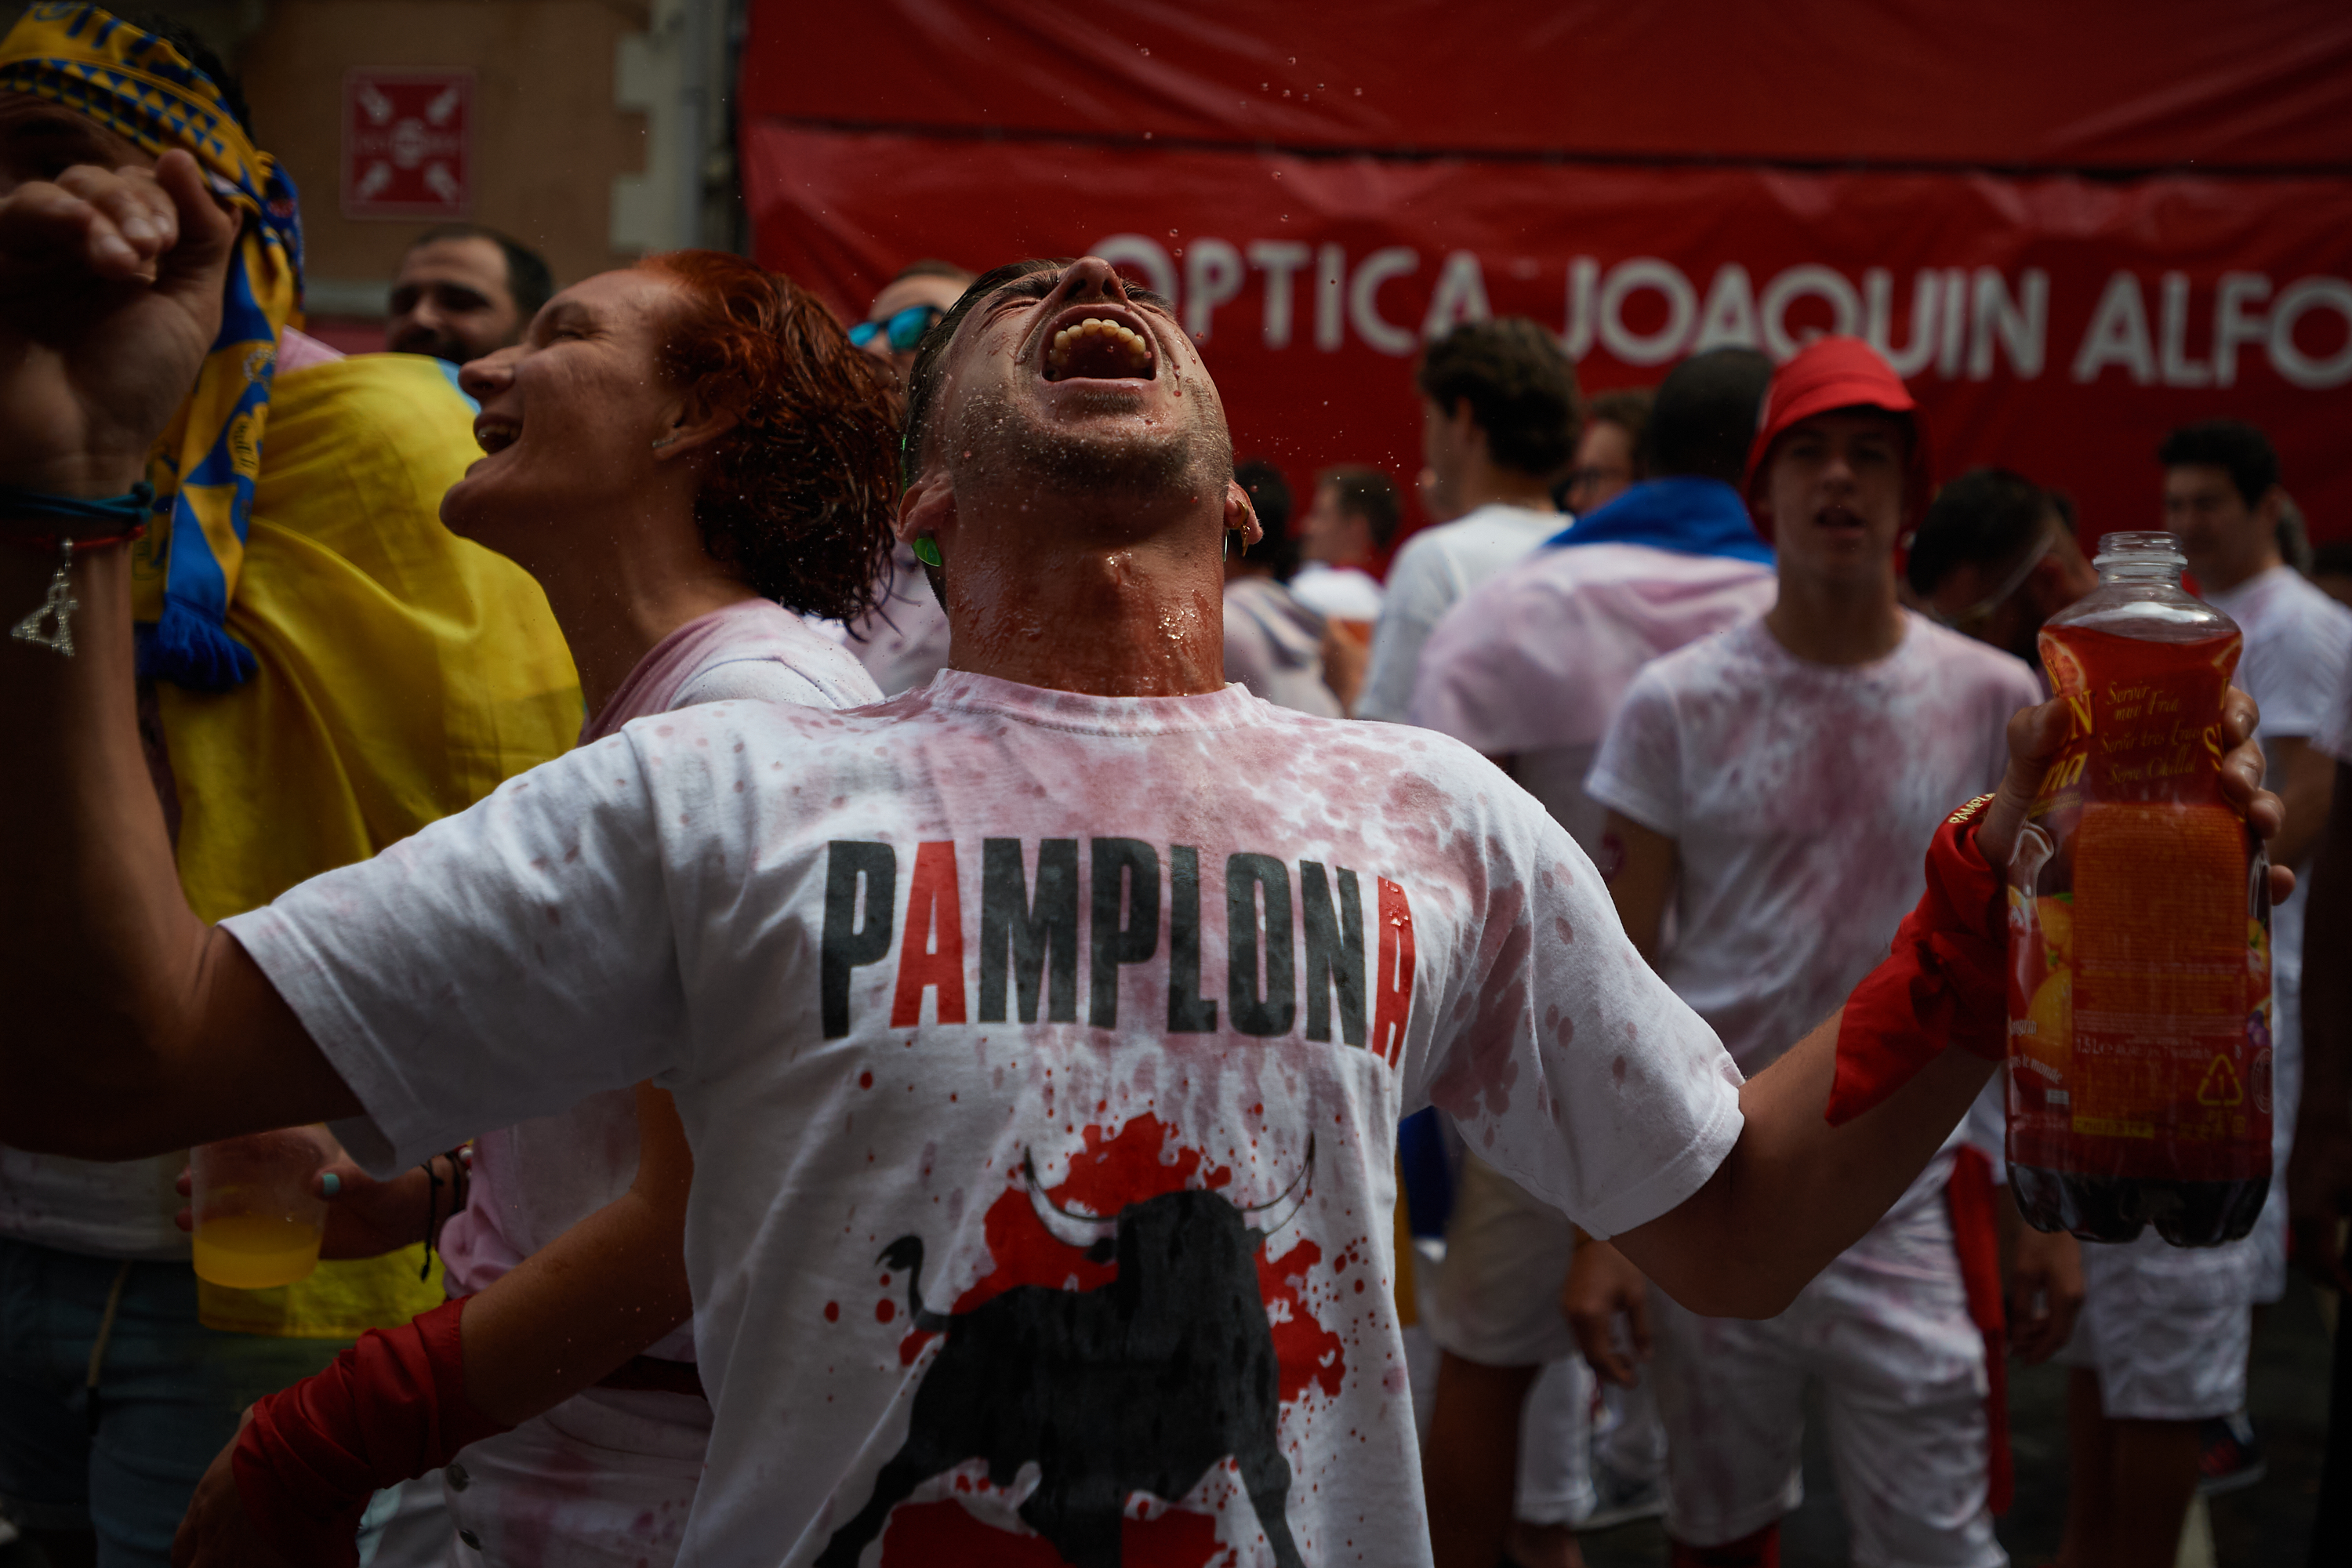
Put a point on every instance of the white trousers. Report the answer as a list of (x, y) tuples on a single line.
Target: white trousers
[(1886, 1330)]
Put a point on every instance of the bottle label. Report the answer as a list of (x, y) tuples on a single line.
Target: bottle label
[(2160, 962), (2153, 734), (2139, 985)]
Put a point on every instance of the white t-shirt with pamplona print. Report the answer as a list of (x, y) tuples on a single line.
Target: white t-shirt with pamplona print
[(1041, 1057)]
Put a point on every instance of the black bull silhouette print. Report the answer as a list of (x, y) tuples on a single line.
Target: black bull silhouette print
[(1140, 1385)]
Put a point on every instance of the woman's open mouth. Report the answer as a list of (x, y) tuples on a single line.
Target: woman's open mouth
[(495, 432)]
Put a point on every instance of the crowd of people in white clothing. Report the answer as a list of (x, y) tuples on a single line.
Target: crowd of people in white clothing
[(1062, 1006)]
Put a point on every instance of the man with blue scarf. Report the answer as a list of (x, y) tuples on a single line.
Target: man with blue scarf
[(324, 670), (1529, 668)]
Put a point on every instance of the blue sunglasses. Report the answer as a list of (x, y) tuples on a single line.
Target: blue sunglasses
[(906, 329)]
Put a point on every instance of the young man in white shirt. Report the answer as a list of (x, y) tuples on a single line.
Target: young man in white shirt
[(1144, 1252), (1498, 418), (1528, 670), (2160, 1360), (2221, 497), (1773, 785)]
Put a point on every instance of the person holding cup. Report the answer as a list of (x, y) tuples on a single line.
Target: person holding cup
[(672, 450)]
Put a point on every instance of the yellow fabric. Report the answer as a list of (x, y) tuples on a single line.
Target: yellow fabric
[(404, 673), (204, 468)]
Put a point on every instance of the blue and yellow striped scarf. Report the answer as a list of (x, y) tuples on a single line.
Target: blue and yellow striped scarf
[(204, 466)]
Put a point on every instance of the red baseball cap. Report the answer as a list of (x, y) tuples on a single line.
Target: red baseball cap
[(1829, 374)]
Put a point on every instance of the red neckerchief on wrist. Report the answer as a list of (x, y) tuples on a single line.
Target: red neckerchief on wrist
[(1945, 983), (392, 1407)]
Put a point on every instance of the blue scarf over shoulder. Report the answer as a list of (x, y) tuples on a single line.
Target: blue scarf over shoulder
[(1688, 516)]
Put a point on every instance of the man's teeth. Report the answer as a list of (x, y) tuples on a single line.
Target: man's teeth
[(1096, 333)]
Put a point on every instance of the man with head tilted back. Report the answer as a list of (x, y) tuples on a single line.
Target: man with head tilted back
[(1041, 1035)]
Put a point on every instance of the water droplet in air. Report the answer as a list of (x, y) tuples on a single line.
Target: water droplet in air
[(1172, 234), (1359, 92), (1294, 60)]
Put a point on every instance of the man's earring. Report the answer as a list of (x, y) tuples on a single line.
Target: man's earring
[(664, 441), (1232, 534), (926, 551)]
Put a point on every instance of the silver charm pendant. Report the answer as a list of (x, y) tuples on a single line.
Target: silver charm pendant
[(58, 607)]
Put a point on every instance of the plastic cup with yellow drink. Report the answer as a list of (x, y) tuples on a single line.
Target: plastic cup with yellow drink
[(257, 1221)]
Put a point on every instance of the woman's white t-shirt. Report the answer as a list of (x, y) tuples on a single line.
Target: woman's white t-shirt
[(961, 997)]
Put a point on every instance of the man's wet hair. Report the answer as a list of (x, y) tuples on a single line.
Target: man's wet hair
[(1365, 492), (201, 55), (1270, 498), (1703, 417), (2236, 447), (529, 278), (923, 381), (1986, 518), (1520, 388)]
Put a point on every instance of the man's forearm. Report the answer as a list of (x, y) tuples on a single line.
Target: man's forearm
[(101, 940), (135, 1028), (1795, 1192)]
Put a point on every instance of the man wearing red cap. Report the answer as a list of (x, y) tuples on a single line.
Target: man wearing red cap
[(1775, 786)]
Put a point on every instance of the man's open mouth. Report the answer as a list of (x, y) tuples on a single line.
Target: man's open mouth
[(1100, 348)]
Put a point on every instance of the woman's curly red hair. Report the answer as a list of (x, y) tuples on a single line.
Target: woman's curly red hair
[(799, 498)]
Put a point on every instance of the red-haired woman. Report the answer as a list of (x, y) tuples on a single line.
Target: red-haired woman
[(684, 454)]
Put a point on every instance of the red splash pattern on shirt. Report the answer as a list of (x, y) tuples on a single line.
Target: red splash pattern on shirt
[(928, 1534), (1141, 1159)]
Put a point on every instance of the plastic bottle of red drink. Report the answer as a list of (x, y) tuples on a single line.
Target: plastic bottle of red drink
[(2139, 991)]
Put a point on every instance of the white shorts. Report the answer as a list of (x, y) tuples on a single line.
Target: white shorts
[(1507, 1253), (2287, 1093), (1886, 1328), (602, 1480), (2167, 1328)]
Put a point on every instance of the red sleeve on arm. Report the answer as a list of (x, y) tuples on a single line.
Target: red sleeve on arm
[(1945, 983), (392, 1407)]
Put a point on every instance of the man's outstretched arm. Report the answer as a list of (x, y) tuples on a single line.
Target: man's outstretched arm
[(134, 1027), (1796, 1191)]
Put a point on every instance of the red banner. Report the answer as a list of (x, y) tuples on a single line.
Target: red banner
[(2054, 324)]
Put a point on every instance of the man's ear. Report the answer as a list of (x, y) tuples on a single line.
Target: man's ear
[(2268, 508), (2046, 588), (694, 421), (1241, 517), (926, 507), (1469, 435), (927, 512)]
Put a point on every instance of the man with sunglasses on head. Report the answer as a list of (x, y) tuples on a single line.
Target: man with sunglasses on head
[(894, 324), (1995, 557), (903, 640), (948, 1231)]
